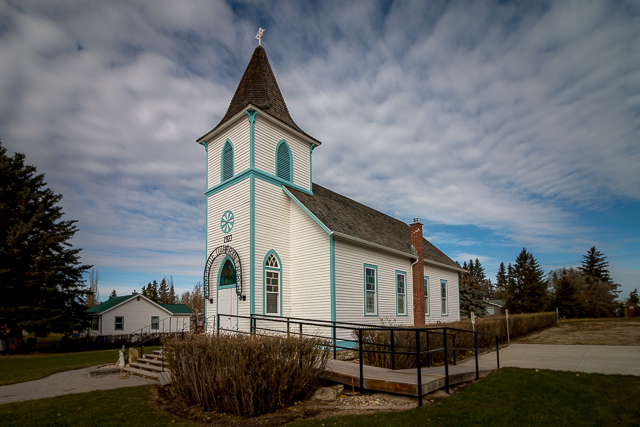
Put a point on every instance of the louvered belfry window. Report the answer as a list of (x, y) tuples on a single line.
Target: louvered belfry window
[(227, 161), (283, 162)]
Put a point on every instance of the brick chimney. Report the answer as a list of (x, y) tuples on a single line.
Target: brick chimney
[(415, 230)]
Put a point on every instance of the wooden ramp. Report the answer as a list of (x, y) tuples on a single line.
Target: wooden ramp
[(402, 381)]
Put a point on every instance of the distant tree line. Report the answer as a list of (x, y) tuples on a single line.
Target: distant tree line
[(586, 291)]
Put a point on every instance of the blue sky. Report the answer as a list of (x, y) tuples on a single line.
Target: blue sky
[(501, 125)]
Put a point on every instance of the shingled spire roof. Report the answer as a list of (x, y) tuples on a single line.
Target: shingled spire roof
[(259, 87)]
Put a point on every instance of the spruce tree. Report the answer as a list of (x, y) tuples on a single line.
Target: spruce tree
[(154, 294), (633, 299), (113, 294), (599, 298), (526, 289), (163, 292), (172, 291), (471, 295), (501, 282), (566, 294), (41, 277)]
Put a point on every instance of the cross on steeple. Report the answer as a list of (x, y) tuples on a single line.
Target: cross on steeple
[(259, 36)]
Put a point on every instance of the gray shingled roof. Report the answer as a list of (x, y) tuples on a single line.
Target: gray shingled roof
[(343, 215), (259, 87)]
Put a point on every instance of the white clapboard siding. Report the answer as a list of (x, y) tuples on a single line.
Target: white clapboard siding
[(239, 135), (349, 264), (311, 267), (237, 200), (137, 314), (436, 274), (272, 233), (267, 137)]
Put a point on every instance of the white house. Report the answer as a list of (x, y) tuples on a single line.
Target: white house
[(130, 313), (278, 244)]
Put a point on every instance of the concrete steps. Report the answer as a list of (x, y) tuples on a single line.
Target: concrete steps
[(149, 366)]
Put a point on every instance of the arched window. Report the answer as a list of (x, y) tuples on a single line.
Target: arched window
[(272, 284), (284, 167), (228, 274), (227, 161)]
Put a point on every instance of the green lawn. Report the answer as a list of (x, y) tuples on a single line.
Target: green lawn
[(510, 397), (27, 367), (514, 397), (130, 406)]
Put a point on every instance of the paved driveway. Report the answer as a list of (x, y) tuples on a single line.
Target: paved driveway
[(69, 382), (604, 359)]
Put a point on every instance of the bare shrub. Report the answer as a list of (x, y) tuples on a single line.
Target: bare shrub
[(405, 341), (245, 375)]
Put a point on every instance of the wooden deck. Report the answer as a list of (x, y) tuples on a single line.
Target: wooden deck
[(402, 381)]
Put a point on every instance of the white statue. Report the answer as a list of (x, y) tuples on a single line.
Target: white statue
[(121, 361)]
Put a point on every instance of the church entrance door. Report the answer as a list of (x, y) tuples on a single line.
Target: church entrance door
[(227, 307)]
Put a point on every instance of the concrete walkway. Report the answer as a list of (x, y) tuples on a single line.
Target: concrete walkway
[(603, 359), (69, 382)]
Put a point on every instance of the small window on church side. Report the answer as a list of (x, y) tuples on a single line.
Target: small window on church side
[(227, 161), (272, 285), (283, 162), (370, 291)]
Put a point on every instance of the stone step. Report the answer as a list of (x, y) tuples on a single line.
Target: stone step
[(141, 372), (152, 357), (148, 367), (151, 361)]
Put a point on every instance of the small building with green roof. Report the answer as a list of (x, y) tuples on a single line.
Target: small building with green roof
[(131, 313)]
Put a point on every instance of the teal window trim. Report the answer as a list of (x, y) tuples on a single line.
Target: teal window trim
[(227, 163), (397, 286), (332, 267), (427, 295), (284, 162), (252, 173), (251, 114), (444, 298), (364, 288), (224, 261), (264, 283)]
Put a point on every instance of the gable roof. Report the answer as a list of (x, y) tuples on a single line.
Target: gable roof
[(346, 216), (113, 302), (258, 87)]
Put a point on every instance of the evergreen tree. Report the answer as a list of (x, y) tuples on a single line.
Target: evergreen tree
[(471, 295), (172, 291), (163, 293), (113, 294), (501, 282), (599, 297), (564, 283), (527, 289), (154, 295), (633, 299), (41, 277)]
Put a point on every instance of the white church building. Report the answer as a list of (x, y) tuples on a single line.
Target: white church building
[(280, 245)]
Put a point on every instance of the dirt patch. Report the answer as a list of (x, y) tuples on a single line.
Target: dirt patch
[(588, 332)]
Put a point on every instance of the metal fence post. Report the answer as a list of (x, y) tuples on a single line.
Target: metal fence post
[(393, 352), (497, 353), (218, 324), (475, 346), (446, 360), (506, 312), (453, 343), (334, 340), (300, 329), (428, 352), (419, 365), (288, 327), (361, 360)]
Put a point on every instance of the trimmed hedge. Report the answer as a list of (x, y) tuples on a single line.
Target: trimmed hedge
[(247, 375), (519, 324)]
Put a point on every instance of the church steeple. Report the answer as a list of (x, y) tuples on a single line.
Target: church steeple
[(259, 87)]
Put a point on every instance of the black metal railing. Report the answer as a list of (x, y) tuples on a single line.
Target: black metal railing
[(353, 335), (155, 332)]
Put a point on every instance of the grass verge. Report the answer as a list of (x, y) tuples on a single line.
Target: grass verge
[(514, 396), (130, 406), (28, 367)]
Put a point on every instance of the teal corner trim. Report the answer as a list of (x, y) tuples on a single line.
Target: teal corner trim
[(427, 309), (311, 147), (224, 166), (446, 297), (252, 246), (264, 279), (406, 311), (312, 216), (206, 223), (364, 289), (252, 137), (332, 256)]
